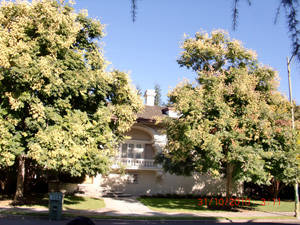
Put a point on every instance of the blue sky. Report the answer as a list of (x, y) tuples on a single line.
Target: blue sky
[(148, 48)]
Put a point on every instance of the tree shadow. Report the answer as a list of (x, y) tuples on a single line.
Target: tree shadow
[(33, 199), (41, 200), (235, 207), (73, 200)]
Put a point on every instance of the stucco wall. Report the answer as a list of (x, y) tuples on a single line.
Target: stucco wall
[(137, 134), (149, 184), (62, 187)]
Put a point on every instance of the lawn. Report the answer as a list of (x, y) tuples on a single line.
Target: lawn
[(83, 203), (191, 205), (69, 202)]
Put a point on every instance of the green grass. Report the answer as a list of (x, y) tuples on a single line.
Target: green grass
[(270, 206), (191, 205), (69, 202), (172, 204), (157, 204), (83, 203)]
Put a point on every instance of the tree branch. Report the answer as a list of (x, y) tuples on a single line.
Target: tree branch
[(133, 10), (235, 13), (291, 11)]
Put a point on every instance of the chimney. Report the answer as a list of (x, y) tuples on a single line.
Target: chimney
[(149, 97), (170, 112)]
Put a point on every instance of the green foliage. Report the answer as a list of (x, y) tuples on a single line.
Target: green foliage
[(183, 167), (233, 122), (297, 112), (58, 103)]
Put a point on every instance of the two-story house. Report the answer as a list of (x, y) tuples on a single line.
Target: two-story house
[(141, 176)]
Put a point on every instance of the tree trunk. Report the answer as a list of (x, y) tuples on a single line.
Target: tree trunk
[(275, 195), (19, 195), (229, 171), (278, 187), (274, 189)]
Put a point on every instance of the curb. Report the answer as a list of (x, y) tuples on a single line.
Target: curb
[(166, 217), (66, 218)]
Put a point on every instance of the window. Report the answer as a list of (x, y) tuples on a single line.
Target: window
[(132, 178), (130, 150)]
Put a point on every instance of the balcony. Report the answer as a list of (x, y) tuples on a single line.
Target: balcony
[(143, 164)]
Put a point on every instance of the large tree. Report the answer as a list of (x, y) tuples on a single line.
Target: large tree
[(59, 105), (233, 121)]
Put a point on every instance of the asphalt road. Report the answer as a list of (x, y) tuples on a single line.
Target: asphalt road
[(43, 221)]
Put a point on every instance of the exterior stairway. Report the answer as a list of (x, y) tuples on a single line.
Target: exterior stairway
[(115, 194), (89, 190)]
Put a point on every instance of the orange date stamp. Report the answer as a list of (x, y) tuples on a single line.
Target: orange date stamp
[(235, 201), (226, 201)]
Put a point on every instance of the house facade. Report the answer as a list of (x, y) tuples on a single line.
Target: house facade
[(135, 172)]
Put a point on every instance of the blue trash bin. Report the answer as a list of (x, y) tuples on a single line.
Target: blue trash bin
[(55, 205)]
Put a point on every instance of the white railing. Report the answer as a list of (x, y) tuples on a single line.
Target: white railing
[(139, 163)]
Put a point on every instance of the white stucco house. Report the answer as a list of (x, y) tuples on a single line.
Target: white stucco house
[(142, 175)]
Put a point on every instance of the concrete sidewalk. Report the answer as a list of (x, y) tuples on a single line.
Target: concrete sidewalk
[(126, 207), (132, 207)]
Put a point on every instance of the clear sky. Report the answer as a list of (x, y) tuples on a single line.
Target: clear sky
[(148, 48)]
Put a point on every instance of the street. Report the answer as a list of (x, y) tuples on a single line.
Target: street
[(43, 221)]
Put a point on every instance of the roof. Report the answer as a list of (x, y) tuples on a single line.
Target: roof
[(150, 113)]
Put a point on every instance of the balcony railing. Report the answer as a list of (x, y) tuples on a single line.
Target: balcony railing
[(139, 163)]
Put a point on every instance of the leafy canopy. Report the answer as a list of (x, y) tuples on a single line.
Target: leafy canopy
[(59, 105), (232, 117)]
